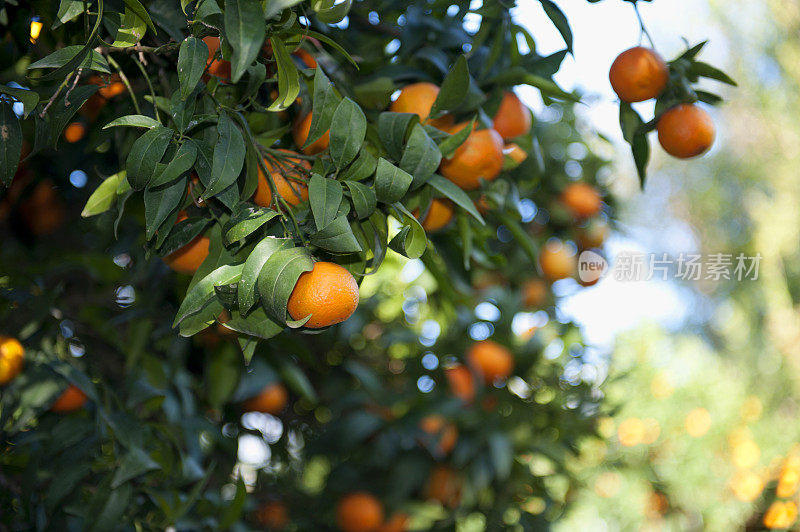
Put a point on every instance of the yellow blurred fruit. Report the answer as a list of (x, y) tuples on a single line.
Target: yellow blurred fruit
[(751, 409), (631, 432), (661, 387), (608, 484), (698, 421), (745, 454), (513, 118), (12, 356), (746, 486), (490, 360), (780, 515), (444, 486), (534, 293), (359, 512), (557, 261), (444, 432), (271, 400)]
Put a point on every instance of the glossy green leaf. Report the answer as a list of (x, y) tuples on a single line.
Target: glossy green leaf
[(324, 196), (192, 58), (203, 292), (278, 277), (146, 152), (288, 77), (363, 198), (104, 195), (229, 155), (247, 219), (92, 61), (337, 237), (181, 162), (348, 130), (454, 88), (391, 183), (393, 130), (326, 101), (245, 30), (28, 98), (133, 121), (421, 156), (252, 268), (451, 191)]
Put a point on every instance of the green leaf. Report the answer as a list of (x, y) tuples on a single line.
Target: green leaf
[(28, 98), (454, 88), (245, 221), (104, 195), (288, 77), (641, 155), (278, 277), (146, 152), (133, 464), (337, 237), (324, 196), (452, 191), (245, 30), (160, 202), (203, 292), (181, 162), (192, 58), (363, 198), (131, 29), (10, 143), (64, 109), (139, 9), (705, 70), (560, 21), (363, 167), (62, 56), (502, 454), (223, 373), (393, 130), (294, 377), (229, 155), (325, 104), (252, 268), (273, 7), (450, 144), (133, 121), (328, 13), (421, 156), (629, 120), (412, 240), (348, 130), (111, 513), (391, 183), (68, 10), (257, 324)]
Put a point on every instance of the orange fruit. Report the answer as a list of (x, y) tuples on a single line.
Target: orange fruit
[(780, 514), (439, 214), (43, 210), (556, 261), (444, 431), (513, 118), (685, 131), (329, 293), (305, 57), (582, 200), (480, 157), (638, 74), (515, 153), (273, 515), (110, 86), (397, 523), (74, 132), (70, 400), (359, 512), (491, 360), (271, 400), (288, 178), (216, 67), (300, 132), (12, 356), (534, 293), (461, 382), (443, 485), (418, 98), (187, 259), (593, 235)]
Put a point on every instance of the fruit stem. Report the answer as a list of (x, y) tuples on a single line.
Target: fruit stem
[(127, 83), (644, 33)]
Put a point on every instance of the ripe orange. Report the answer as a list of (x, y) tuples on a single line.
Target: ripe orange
[(74, 132), (444, 431), (12, 356), (593, 235), (513, 118), (480, 157), (439, 214), (288, 178), (780, 514), (359, 512), (273, 515), (444, 486), (534, 293), (216, 67), (43, 210), (418, 98), (582, 200), (300, 132), (328, 292), (685, 131), (271, 400), (461, 382), (70, 400), (187, 259), (556, 261), (638, 74), (397, 523), (305, 57), (515, 153), (491, 360)]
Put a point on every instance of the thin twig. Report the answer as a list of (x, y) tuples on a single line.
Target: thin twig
[(152, 90), (642, 27), (54, 96), (126, 82), (72, 87)]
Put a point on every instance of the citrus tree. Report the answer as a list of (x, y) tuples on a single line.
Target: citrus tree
[(351, 324)]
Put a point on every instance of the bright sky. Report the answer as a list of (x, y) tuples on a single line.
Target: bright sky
[(601, 31)]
